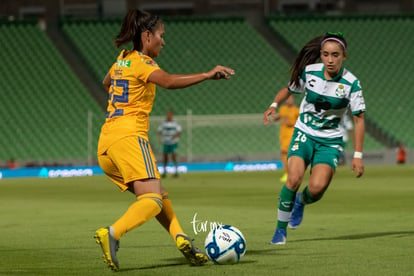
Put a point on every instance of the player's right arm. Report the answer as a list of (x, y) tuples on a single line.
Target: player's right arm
[(281, 96), (175, 81)]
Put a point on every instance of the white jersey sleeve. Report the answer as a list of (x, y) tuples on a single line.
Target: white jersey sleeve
[(357, 102)]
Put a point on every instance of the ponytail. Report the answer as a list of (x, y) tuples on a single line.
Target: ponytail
[(135, 22), (309, 54)]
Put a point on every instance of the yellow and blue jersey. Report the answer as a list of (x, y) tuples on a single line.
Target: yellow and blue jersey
[(130, 99)]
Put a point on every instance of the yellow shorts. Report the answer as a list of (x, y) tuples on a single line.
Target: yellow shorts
[(128, 160), (284, 143)]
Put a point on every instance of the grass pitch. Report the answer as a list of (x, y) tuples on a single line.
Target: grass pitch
[(361, 226)]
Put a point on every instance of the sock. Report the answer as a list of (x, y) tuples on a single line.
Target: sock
[(307, 198), (147, 206), (287, 198), (167, 217)]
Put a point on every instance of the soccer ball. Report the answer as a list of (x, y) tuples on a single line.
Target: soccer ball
[(225, 245)]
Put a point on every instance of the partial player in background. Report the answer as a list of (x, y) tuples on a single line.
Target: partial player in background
[(330, 89), (12, 164), (168, 135), (287, 115), (124, 152), (401, 153), (347, 127)]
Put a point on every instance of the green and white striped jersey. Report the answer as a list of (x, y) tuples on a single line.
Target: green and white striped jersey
[(169, 131), (326, 101)]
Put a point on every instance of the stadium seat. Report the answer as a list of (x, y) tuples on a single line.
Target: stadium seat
[(45, 104)]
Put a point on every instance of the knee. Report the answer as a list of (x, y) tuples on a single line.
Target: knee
[(154, 198), (294, 180), (316, 190)]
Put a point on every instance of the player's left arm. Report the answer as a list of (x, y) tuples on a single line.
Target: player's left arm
[(178, 134), (359, 133), (175, 81), (107, 82)]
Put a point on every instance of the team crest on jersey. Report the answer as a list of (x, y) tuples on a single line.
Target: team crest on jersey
[(340, 91), (151, 62)]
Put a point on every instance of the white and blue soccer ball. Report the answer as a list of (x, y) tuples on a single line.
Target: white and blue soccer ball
[(225, 245)]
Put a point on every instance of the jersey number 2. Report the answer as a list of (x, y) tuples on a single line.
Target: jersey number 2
[(123, 98)]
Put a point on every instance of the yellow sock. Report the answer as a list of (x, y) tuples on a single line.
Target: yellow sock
[(147, 206), (167, 217)]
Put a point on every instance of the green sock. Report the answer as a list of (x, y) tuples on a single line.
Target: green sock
[(287, 198), (307, 198)]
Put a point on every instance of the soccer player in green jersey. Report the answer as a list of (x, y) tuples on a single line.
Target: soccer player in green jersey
[(329, 89), (168, 135)]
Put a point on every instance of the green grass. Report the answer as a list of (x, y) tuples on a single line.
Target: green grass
[(361, 227)]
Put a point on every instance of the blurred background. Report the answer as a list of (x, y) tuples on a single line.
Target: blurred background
[(54, 55)]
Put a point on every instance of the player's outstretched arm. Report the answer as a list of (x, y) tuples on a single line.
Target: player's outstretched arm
[(175, 81), (281, 96)]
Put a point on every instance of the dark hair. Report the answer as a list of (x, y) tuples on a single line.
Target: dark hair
[(135, 23), (310, 53)]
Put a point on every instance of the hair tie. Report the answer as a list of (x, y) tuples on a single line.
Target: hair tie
[(340, 34)]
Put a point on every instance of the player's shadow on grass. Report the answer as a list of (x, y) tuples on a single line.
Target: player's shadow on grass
[(177, 263), (174, 262), (397, 234)]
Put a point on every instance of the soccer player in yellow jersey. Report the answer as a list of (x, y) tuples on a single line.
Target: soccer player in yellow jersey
[(124, 152), (287, 115)]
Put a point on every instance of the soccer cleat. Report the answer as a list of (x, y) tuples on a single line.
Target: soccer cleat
[(284, 178), (109, 247), (190, 251), (279, 237), (297, 213)]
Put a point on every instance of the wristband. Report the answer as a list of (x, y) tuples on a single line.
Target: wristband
[(273, 105), (358, 154)]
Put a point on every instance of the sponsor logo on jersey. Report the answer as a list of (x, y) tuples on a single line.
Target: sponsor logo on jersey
[(123, 63), (311, 82), (117, 74)]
